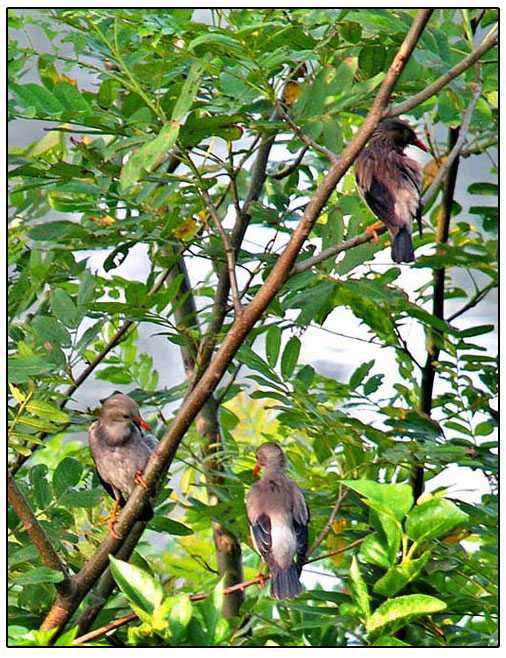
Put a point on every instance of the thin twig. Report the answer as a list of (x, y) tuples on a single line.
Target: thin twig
[(37, 534), (288, 170), (229, 253), (326, 529), (308, 263), (332, 157), (473, 301), (402, 108)]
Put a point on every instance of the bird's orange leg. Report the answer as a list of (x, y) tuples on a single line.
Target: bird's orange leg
[(112, 522), (261, 576), (372, 229), (138, 479)]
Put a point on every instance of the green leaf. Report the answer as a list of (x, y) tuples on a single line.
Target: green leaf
[(39, 575), (251, 359), (396, 613), (179, 617), (28, 553), (84, 498), (188, 92), (433, 518), (43, 409), (398, 498), (67, 474), (211, 610), (41, 488), (488, 189), (272, 344), (149, 155), (289, 357), (360, 374), (49, 329), (374, 551), (57, 231), (64, 308), (143, 592), (398, 577), (163, 524), (389, 642), (24, 369), (359, 589), (70, 97)]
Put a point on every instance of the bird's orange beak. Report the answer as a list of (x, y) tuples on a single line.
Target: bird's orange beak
[(256, 470), (420, 144), (142, 423)]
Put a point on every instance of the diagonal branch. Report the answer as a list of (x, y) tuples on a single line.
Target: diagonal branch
[(166, 450), (332, 157), (402, 108)]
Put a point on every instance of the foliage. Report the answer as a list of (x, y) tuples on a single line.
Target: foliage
[(171, 106)]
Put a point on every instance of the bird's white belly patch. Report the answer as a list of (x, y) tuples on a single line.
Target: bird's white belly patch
[(284, 543)]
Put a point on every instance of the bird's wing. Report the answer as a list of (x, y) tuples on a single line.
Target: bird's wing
[(261, 531), (300, 524), (390, 185)]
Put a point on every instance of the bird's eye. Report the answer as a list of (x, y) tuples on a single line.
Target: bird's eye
[(125, 416)]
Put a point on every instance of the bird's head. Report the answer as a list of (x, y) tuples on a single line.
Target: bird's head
[(398, 134), (120, 409), (270, 456)]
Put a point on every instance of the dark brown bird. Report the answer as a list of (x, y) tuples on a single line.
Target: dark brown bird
[(279, 518), (121, 449), (389, 182)]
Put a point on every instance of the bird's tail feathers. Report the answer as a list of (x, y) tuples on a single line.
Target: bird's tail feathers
[(402, 247), (285, 583)]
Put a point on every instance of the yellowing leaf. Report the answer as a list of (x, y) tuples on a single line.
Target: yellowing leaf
[(457, 535), (186, 229), (334, 542), (291, 92), (19, 396), (338, 526), (70, 81)]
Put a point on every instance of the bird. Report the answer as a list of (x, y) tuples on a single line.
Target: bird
[(278, 517), (389, 182), (120, 449)]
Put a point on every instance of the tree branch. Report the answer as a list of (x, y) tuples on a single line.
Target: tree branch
[(166, 449), (332, 157), (37, 534), (402, 108), (288, 170), (481, 294)]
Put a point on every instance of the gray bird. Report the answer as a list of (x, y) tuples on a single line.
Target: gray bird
[(121, 449), (278, 517), (389, 182)]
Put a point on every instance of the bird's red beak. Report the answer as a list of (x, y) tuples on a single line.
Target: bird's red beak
[(256, 470), (142, 423), (420, 144)]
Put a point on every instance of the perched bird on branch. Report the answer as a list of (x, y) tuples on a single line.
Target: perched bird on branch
[(278, 517), (389, 182), (120, 449)]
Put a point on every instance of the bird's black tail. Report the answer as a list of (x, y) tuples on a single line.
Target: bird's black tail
[(285, 583), (402, 247)]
